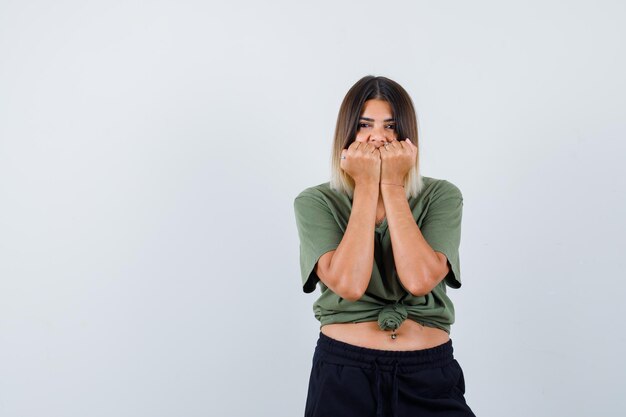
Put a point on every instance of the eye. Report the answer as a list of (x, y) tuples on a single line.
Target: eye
[(363, 125), (391, 126)]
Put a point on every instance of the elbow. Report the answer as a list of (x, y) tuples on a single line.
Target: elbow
[(419, 288), (354, 296), (351, 285), (419, 292), (422, 284), (351, 293)]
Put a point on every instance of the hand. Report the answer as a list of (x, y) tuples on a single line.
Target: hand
[(397, 159), (362, 162)]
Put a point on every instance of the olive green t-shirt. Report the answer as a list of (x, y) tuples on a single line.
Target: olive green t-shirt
[(322, 216)]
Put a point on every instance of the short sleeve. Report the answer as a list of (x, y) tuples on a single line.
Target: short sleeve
[(319, 233), (441, 228)]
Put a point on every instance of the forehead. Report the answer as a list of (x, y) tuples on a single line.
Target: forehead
[(377, 107)]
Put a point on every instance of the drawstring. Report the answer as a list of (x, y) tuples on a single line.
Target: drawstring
[(379, 397), (394, 389)]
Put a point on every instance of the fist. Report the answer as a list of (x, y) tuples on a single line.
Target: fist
[(362, 162), (397, 159)]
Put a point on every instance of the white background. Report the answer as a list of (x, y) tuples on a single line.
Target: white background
[(150, 153)]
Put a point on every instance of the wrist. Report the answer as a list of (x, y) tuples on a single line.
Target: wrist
[(391, 182), (367, 182)]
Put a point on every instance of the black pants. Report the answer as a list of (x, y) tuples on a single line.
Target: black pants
[(350, 381)]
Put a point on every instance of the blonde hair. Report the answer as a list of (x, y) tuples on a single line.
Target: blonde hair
[(367, 88)]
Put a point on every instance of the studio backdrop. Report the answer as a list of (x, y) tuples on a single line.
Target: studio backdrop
[(150, 153)]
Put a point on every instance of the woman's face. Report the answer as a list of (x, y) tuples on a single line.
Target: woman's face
[(376, 124)]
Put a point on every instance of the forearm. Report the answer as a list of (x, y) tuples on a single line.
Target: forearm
[(353, 259), (416, 262)]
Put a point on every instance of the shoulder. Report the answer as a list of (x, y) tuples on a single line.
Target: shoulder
[(318, 190), (323, 192), (441, 188), (322, 197)]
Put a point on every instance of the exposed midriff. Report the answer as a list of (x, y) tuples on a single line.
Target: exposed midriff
[(409, 336)]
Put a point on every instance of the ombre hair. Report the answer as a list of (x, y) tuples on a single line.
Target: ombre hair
[(367, 88)]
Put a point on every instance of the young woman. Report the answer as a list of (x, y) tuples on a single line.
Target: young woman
[(382, 241)]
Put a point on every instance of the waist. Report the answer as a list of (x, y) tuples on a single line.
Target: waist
[(409, 336)]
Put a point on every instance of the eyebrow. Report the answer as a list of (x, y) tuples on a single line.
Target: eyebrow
[(371, 120)]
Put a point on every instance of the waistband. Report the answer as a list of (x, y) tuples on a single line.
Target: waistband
[(413, 360), (342, 353)]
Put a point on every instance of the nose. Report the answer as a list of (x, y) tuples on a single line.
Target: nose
[(378, 137)]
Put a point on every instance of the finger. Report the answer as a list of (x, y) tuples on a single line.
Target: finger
[(369, 148), (343, 157), (392, 147), (362, 147), (411, 144)]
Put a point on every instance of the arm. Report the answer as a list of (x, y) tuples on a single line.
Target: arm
[(348, 269), (419, 267)]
